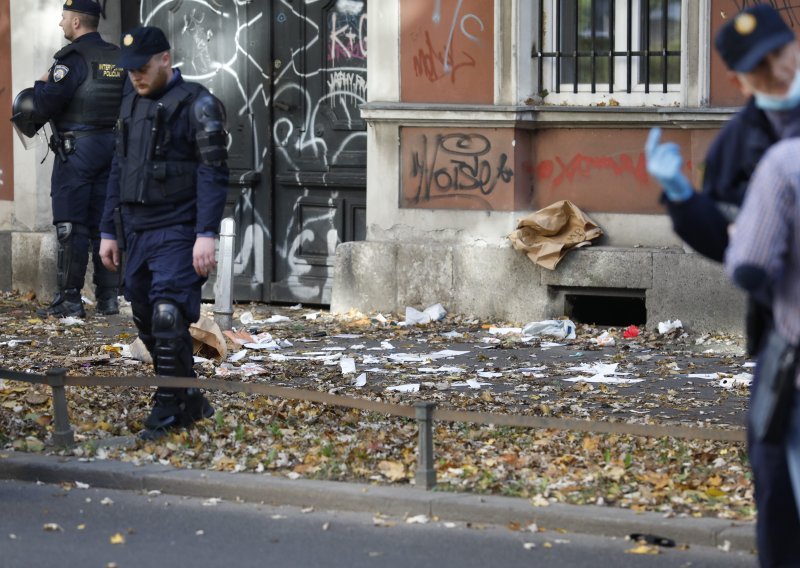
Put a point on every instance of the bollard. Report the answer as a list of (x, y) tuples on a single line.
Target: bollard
[(426, 473), (223, 300), (62, 431)]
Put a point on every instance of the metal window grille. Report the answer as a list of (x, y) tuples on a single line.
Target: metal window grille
[(585, 37)]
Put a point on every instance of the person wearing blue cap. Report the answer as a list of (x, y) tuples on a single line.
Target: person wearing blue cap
[(80, 97), (166, 195), (762, 56)]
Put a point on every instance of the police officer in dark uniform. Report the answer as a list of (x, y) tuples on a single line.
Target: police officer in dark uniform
[(80, 96), (762, 55), (167, 186)]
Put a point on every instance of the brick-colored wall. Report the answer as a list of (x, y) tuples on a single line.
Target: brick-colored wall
[(447, 51)]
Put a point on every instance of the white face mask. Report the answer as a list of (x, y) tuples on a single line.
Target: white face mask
[(785, 102)]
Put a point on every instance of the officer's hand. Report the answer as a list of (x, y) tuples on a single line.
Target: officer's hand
[(665, 164), (109, 254), (204, 258)]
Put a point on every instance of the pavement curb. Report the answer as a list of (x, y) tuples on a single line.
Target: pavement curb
[(389, 500)]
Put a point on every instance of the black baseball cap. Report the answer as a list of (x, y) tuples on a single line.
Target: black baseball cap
[(84, 6), (139, 45), (747, 39)]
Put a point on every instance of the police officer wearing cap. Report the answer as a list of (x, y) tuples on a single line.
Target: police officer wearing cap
[(168, 181), (80, 96), (762, 56)]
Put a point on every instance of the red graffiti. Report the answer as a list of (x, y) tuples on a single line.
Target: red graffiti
[(431, 64), (582, 166)]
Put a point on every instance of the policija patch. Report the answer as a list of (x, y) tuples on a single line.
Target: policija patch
[(59, 72)]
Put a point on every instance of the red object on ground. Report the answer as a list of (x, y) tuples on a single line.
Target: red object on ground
[(631, 332)]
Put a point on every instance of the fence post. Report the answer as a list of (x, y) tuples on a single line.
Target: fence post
[(426, 473), (223, 300), (62, 433)]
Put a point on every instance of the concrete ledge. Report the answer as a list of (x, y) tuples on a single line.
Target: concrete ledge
[(499, 283), (603, 267), (365, 275), (390, 500)]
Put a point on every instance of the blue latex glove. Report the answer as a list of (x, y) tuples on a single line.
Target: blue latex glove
[(665, 164)]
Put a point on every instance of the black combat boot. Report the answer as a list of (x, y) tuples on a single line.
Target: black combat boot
[(65, 303), (174, 408), (107, 306), (195, 407)]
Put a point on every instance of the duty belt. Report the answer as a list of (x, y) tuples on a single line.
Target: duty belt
[(65, 139)]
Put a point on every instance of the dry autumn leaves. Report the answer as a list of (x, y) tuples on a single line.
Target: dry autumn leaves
[(458, 363)]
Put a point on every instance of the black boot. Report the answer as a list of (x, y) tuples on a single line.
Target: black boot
[(164, 416), (196, 407), (65, 303), (174, 408), (107, 306)]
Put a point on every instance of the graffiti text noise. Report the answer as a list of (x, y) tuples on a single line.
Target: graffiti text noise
[(457, 163)]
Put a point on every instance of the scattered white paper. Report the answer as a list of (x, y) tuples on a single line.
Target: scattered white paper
[(238, 356), (348, 365), (505, 330), (361, 380), (705, 376), (412, 387), (667, 326), (740, 380)]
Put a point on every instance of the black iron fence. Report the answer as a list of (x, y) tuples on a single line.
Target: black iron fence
[(585, 37)]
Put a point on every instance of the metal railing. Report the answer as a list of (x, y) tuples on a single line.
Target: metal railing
[(425, 413), (608, 55)]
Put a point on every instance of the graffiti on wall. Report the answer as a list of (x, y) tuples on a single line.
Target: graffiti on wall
[(323, 134), (456, 168), (214, 41), (436, 63), (578, 167), (447, 44), (560, 169)]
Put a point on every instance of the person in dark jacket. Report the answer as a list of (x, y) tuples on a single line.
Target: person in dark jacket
[(167, 191), (762, 55), (80, 96)]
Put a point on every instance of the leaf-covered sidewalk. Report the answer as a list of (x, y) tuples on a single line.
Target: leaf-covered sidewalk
[(459, 362)]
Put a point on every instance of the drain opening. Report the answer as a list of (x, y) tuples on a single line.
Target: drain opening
[(616, 311)]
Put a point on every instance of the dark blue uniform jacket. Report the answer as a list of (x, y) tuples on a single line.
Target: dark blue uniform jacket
[(701, 221)]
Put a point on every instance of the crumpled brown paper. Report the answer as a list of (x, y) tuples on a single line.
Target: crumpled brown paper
[(207, 341), (548, 234)]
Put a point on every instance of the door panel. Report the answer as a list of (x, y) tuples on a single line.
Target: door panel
[(319, 138)]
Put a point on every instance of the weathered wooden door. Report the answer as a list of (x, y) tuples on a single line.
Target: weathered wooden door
[(291, 74), (318, 81)]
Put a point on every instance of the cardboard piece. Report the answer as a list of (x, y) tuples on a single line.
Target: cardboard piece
[(207, 339), (548, 234)]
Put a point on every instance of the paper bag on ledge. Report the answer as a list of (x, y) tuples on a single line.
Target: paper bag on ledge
[(548, 234), (207, 339)]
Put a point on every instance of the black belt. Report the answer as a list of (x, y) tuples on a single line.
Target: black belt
[(76, 134)]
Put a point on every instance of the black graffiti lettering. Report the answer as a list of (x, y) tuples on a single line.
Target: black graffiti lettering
[(469, 166)]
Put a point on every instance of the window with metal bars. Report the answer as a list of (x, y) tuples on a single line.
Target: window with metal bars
[(609, 46)]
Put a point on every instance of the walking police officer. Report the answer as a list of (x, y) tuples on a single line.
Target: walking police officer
[(763, 56), (80, 97), (167, 189)]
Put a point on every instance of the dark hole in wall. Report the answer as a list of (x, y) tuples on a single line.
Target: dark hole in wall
[(616, 311)]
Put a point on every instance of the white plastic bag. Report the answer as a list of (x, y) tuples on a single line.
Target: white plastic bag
[(560, 329)]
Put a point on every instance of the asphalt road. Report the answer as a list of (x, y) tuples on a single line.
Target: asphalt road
[(165, 530)]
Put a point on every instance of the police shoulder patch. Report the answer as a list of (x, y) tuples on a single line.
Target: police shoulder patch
[(59, 72)]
